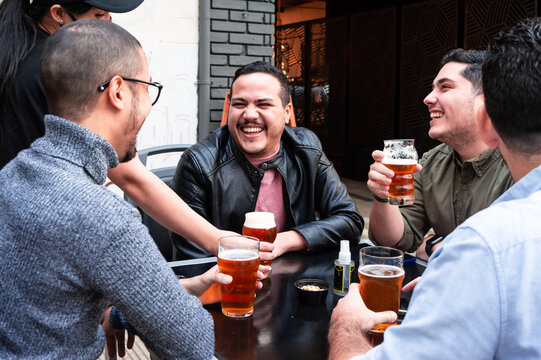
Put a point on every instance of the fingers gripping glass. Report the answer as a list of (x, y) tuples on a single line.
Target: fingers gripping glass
[(154, 88)]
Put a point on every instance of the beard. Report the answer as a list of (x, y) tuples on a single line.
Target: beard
[(130, 154), (134, 125)]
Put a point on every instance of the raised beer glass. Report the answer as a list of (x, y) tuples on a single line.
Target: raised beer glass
[(381, 273), (401, 157), (238, 256), (261, 225)]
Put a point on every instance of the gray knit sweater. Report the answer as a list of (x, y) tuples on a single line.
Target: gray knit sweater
[(69, 248)]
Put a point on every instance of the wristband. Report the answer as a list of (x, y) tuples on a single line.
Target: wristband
[(436, 239), (380, 199)]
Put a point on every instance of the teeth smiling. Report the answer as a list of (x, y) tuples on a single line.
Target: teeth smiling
[(435, 115), (251, 129)]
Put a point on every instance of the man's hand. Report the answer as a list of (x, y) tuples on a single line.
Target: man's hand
[(266, 253), (380, 176), (114, 338), (411, 285), (288, 241), (350, 322), (207, 285)]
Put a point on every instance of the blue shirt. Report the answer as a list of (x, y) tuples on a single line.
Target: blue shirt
[(480, 297)]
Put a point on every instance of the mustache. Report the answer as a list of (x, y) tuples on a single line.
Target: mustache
[(253, 123)]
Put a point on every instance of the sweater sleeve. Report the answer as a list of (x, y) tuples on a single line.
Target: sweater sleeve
[(134, 277)]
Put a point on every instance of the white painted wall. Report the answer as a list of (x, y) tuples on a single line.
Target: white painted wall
[(168, 31)]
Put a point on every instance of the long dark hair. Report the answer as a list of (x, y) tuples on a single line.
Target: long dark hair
[(18, 32)]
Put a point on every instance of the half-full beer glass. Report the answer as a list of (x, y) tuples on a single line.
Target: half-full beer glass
[(401, 157), (238, 256), (381, 274), (261, 225)]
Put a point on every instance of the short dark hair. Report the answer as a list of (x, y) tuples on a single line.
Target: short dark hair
[(80, 56), (264, 67), (474, 59), (512, 83)]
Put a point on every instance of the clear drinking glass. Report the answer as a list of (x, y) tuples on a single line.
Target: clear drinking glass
[(238, 256), (381, 273), (401, 157), (261, 225)]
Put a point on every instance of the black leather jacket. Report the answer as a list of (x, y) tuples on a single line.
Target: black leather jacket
[(217, 181)]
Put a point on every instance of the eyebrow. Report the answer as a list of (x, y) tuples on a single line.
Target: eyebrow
[(441, 81), (256, 101)]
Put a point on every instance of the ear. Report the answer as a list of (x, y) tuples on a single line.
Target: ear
[(288, 110), (116, 93), (57, 13), (486, 130)]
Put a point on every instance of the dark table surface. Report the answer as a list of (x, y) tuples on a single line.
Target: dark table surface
[(281, 327)]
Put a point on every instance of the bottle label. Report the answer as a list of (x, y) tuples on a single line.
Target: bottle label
[(338, 278), (351, 270)]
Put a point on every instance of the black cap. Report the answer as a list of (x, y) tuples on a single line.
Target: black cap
[(114, 6)]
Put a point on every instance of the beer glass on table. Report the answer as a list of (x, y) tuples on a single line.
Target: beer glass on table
[(401, 157), (381, 273), (261, 225), (238, 256)]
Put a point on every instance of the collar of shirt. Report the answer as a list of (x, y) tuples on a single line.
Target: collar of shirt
[(526, 186), (255, 161), (67, 140), (480, 163)]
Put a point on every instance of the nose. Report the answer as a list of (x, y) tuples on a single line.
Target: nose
[(430, 99), (250, 113)]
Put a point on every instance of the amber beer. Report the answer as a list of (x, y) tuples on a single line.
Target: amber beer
[(260, 225), (238, 256), (401, 188), (380, 288), (381, 273), (400, 156)]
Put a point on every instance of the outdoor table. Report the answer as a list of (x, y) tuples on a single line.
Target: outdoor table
[(281, 327)]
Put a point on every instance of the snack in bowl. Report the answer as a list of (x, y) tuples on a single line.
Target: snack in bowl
[(312, 291)]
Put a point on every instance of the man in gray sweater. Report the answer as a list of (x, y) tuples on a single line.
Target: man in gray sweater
[(69, 248)]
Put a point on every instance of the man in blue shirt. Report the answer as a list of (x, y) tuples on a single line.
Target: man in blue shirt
[(479, 297)]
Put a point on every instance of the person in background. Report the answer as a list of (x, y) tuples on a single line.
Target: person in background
[(459, 177), (24, 27), (257, 163), (69, 246), (479, 297)]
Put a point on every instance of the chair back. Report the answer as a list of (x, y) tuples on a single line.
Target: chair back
[(227, 101), (159, 233)]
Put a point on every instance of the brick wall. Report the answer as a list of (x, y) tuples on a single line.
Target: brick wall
[(241, 31)]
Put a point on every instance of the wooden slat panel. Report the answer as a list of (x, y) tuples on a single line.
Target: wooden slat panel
[(485, 18), (429, 30)]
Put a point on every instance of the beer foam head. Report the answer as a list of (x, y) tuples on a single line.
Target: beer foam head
[(381, 271), (259, 220), (238, 254), (390, 161)]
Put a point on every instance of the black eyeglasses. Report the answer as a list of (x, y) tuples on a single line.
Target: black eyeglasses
[(154, 88)]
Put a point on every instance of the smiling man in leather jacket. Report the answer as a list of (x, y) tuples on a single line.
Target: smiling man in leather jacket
[(256, 163)]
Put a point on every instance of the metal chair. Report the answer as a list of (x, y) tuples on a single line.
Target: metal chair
[(159, 233)]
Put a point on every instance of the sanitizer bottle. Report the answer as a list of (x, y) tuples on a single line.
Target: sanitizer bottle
[(343, 269)]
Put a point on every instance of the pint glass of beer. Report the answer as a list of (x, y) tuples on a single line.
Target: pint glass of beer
[(238, 256), (380, 275), (401, 157), (260, 225)]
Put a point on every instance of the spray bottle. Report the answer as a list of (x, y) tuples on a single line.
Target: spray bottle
[(343, 269)]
